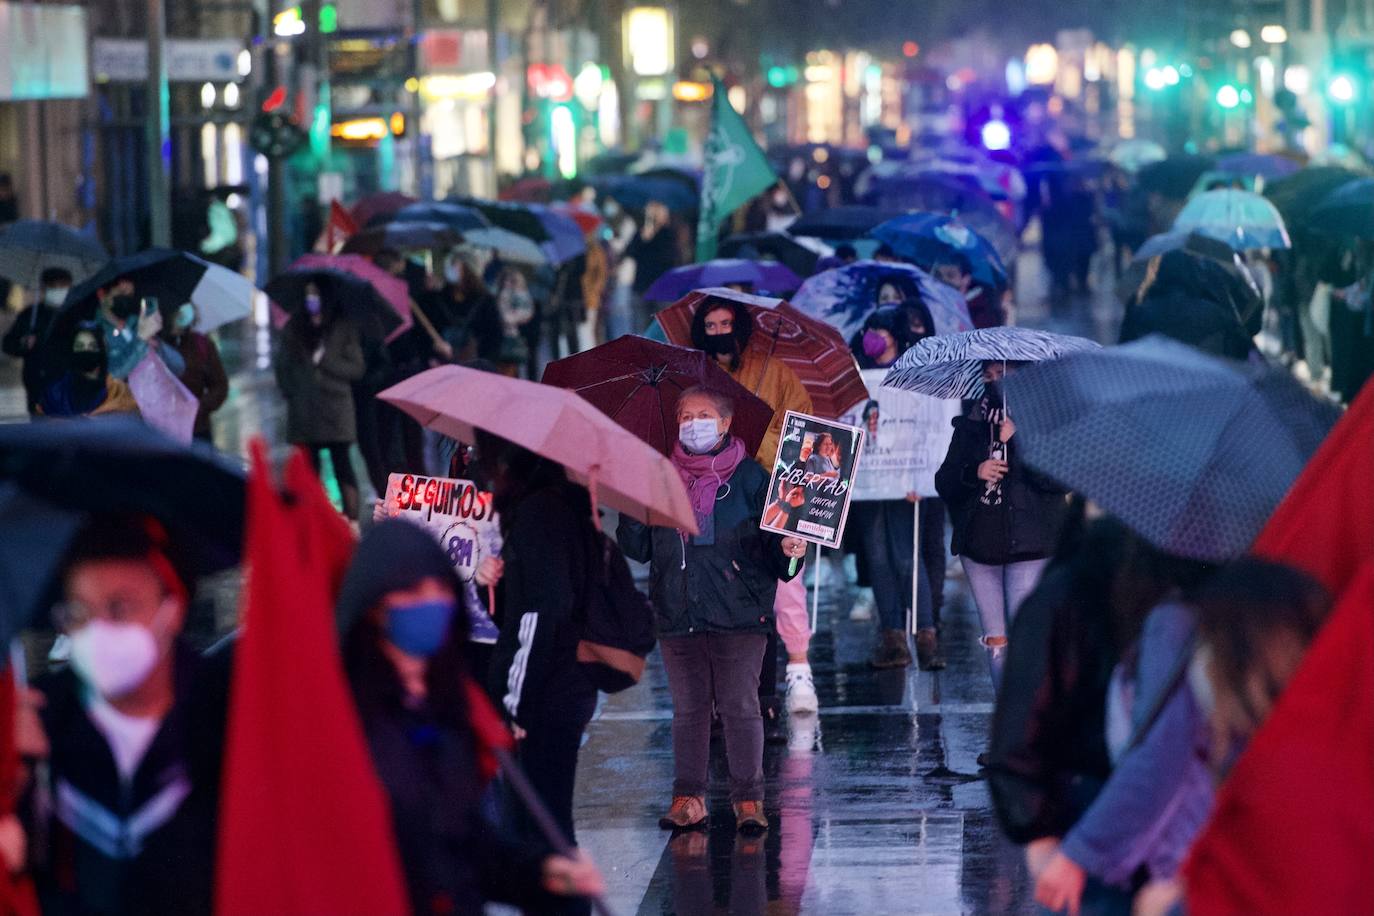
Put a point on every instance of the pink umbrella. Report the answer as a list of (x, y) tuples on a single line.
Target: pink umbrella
[(392, 290), (620, 469)]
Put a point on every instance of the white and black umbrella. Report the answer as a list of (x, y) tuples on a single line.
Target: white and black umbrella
[(951, 365), (31, 246)]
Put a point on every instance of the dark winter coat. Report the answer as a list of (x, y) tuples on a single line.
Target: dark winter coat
[(168, 868), (204, 376), (724, 587), (319, 398), (1025, 526)]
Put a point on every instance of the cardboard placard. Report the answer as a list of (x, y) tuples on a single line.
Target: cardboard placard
[(466, 526), (813, 479), (906, 438)]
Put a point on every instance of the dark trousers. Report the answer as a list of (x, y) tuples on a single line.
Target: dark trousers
[(720, 670), (888, 529), (548, 752), (932, 549)]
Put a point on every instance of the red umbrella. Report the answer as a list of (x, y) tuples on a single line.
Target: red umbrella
[(532, 190), (811, 348), (587, 220), (378, 207), (636, 382)]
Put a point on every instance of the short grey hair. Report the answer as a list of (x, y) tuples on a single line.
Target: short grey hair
[(725, 405)]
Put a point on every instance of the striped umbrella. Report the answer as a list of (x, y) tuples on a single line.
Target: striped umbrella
[(951, 365), (811, 348)]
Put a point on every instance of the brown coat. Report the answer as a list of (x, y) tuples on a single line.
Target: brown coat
[(119, 398), (778, 386), (204, 376)]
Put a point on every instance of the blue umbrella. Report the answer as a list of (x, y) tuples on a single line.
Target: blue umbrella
[(951, 365), (1346, 211), (34, 537), (1242, 219), (927, 239), (845, 296), (30, 246), (1258, 165), (455, 216), (554, 232), (633, 192), (1190, 451), (765, 276)]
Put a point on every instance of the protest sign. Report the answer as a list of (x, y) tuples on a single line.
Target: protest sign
[(462, 519), (906, 437), (813, 479)]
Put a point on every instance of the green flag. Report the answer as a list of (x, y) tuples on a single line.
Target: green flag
[(736, 170)]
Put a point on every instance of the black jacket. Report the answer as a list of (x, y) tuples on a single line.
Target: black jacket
[(1025, 526), (550, 545), (154, 863), (727, 586), (33, 321), (1048, 753)]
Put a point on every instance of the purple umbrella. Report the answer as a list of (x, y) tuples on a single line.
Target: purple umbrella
[(1267, 166), (769, 276)]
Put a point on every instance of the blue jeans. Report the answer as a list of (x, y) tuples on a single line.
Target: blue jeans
[(998, 591), (888, 531)]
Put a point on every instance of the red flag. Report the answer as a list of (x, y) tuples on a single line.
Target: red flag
[(337, 229), (17, 896), (488, 729), (304, 821), (1325, 525), (1293, 827)]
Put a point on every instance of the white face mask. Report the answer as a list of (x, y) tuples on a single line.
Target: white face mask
[(453, 273), (55, 295), (114, 658), (699, 436)]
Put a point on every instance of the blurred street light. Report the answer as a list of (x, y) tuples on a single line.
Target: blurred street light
[(1297, 79), (1154, 79), (1240, 38), (1273, 34), (1228, 96), (1341, 89), (1042, 64)]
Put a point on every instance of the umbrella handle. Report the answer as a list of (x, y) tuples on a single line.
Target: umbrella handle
[(591, 492)]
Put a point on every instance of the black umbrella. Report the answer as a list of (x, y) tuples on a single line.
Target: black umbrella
[(30, 246), (1175, 177), (1195, 267), (851, 222), (455, 216), (352, 295), (1298, 194), (402, 237), (120, 464), (1347, 212), (1202, 323), (778, 246), (1191, 452), (34, 537)]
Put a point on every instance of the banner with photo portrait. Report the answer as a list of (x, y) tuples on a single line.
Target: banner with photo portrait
[(906, 438), (813, 479)]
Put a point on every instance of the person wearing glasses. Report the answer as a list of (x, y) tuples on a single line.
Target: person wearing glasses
[(131, 732)]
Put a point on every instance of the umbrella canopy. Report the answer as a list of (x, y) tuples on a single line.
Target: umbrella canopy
[(1348, 211), (120, 464), (633, 192), (508, 246), (927, 239), (1201, 450), (845, 296), (763, 275), (1193, 267), (30, 246), (842, 223), (813, 349), (455, 216), (402, 237), (378, 302), (587, 219), (531, 190), (34, 537), (1258, 165), (1185, 316), (172, 277), (611, 162), (623, 471), (636, 382), (951, 365), (1299, 194), (1242, 219), (798, 257), (1174, 177), (557, 235), (1133, 155), (379, 207)]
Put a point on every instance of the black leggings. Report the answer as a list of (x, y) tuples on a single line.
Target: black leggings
[(343, 472)]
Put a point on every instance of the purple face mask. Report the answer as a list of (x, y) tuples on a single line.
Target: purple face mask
[(875, 344)]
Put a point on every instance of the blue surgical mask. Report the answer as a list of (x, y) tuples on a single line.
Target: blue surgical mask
[(185, 316), (699, 436), (419, 629)]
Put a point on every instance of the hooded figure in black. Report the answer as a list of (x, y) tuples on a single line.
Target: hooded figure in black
[(404, 633), (123, 820)]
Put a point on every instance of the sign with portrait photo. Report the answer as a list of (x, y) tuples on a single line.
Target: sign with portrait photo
[(906, 438), (813, 479)]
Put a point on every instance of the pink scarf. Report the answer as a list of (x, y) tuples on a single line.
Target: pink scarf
[(703, 476)]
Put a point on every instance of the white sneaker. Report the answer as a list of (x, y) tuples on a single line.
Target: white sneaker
[(802, 733), (863, 606), (801, 691)]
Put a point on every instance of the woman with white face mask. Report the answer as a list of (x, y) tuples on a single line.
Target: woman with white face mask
[(134, 729), (712, 594)]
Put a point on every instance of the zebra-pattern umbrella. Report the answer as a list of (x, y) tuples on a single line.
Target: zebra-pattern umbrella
[(1191, 452), (951, 365)]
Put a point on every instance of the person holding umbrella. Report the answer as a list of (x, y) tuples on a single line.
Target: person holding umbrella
[(318, 360), (30, 327), (130, 327), (204, 375), (712, 596), (722, 328)]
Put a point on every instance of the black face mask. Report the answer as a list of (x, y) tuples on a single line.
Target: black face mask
[(84, 361), (721, 344), (124, 307)]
